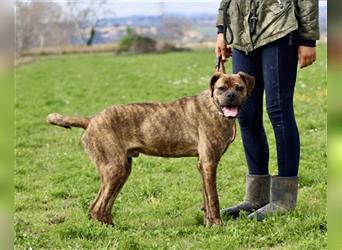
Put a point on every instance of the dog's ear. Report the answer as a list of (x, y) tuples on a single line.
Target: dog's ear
[(249, 80), (213, 80)]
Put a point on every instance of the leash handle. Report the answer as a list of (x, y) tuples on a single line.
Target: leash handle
[(220, 65), (226, 23)]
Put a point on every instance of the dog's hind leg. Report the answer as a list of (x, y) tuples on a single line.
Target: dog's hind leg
[(113, 178), (114, 168)]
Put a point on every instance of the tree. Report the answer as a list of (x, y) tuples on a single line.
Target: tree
[(6, 33), (40, 24), (85, 16)]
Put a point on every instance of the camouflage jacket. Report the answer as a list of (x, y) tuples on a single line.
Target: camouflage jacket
[(275, 19)]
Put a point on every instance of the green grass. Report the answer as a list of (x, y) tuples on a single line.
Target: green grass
[(159, 206)]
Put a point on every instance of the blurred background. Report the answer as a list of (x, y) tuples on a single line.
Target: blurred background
[(55, 27), (335, 125)]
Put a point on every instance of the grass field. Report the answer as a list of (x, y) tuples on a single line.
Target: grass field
[(159, 207)]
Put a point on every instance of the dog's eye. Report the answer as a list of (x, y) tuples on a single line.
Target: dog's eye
[(239, 88), (222, 88)]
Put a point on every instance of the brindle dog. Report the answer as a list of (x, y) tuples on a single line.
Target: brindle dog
[(199, 126)]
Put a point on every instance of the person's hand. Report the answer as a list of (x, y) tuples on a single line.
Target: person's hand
[(222, 49), (306, 56)]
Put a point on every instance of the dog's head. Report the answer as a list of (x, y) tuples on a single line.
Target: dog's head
[(230, 92)]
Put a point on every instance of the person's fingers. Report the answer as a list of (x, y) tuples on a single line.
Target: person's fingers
[(301, 62), (223, 53), (311, 59), (229, 52), (217, 51), (218, 47), (308, 60), (306, 56), (222, 50), (304, 62), (302, 59), (299, 58), (314, 58)]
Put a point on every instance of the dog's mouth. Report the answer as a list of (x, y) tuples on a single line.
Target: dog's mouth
[(230, 111)]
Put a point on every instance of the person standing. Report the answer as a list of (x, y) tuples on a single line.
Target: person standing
[(267, 39)]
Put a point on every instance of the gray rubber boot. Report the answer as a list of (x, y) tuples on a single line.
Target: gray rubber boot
[(283, 197), (257, 195)]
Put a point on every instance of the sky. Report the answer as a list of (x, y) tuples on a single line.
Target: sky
[(167, 7), (121, 8)]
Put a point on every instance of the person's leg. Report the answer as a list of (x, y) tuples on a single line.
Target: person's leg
[(279, 61), (251, 116), (254, 138)]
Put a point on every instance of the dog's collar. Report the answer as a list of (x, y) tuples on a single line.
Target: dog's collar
[(221, 114), (233, 132), (224, 117), (218, 109)]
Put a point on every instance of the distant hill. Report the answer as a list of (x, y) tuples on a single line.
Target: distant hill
[(202, 26)]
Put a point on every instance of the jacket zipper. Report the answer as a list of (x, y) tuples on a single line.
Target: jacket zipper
[(280, 3)]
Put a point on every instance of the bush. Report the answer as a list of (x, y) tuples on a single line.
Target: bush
[(138, 44)]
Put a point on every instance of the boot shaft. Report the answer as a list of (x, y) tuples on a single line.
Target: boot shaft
[(258, 189), (284, 191)]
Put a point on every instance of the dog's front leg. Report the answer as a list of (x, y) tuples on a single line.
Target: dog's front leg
[(204, 199), (210, 197)]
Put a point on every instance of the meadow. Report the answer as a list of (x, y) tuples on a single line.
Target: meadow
[(159, 206)]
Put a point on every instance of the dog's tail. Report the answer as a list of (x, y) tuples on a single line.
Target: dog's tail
[(68, 121)]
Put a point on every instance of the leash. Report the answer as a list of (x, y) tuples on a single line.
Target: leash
[(253, 19), (219, 67), (226, 24)]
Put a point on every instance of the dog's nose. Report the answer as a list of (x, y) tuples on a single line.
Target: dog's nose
[(231, 94)]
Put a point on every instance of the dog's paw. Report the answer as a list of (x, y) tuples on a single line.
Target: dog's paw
[(212, 222)]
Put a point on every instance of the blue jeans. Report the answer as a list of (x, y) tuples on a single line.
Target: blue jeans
[(274, 67)]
